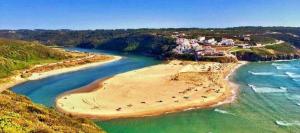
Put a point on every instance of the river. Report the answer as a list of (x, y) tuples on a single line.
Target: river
[(268, 101)]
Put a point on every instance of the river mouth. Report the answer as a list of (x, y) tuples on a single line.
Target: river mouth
[(268, 100), (44, 91)]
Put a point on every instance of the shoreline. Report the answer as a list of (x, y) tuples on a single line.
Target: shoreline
[(233, 86), (228, 97), (37, 76), (17, 79)]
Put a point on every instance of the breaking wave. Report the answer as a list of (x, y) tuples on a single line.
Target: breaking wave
[(294, 97), (267, 89), (222, 111), (297, 80), (261, 73), (292, 75), (283, 66), (265, 74), (284, 123)]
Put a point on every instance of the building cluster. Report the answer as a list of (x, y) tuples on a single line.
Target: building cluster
[(201, 46)]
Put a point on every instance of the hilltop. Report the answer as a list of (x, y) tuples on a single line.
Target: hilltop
[(18, 113), (161, 42), (17, 55)]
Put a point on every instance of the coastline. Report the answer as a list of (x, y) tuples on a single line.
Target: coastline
[(37, 76), (233, 86), (227, 97), (17, 79)]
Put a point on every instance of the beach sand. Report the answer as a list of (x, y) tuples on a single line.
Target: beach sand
[(17, 79), (155, 90)]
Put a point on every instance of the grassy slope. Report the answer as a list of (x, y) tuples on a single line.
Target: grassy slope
[(16, 55), (283, 48), (18, 113), (271, 50)]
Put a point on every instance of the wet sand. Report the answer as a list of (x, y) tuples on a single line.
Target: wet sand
[(155, 90)]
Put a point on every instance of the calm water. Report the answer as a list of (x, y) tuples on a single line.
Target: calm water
[(45, 90), (268, 101)]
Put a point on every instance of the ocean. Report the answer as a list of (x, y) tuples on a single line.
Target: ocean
[(268, 100)]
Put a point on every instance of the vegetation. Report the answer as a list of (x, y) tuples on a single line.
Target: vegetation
[(144, 44), (156, 42), (270, 52), (16, 55), (262, 39), (19, 115), (283, 48)]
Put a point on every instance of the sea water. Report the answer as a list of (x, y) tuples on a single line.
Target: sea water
[(268, 100)]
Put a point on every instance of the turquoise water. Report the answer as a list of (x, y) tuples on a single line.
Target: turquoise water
[(268, 101), (45, 90)]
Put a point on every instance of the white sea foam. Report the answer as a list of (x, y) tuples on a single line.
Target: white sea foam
[(265, 74), (267, 89), (285, 123), (222, 111), (282, 66), (261, 73), (297, 80), (294, 97), (292, 75)]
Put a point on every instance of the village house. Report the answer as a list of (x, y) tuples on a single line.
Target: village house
[(207, 51), (211, 41), (247, 38), (201, 39), (190, 46), (193, 41), (226, 42)]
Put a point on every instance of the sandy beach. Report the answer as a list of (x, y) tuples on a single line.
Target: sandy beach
[(40, 74), (155, 90)]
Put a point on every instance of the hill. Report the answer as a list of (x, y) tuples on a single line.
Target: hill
[(17, 113), (155, 42), (271, 52), (16, 55)]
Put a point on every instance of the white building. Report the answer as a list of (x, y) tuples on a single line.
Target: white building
[(182, 41), (193, 41), (201, 39), (227, 42), (247, 38), (211, 41), (194, 45)]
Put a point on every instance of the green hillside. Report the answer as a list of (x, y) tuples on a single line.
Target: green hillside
[(156, 42), (267, 53), (16, 55), (17, 113)]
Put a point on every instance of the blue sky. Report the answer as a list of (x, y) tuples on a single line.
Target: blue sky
[(115, 14)]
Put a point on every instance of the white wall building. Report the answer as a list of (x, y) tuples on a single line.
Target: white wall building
[(227, 42), (201, 39), (211, 41)]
